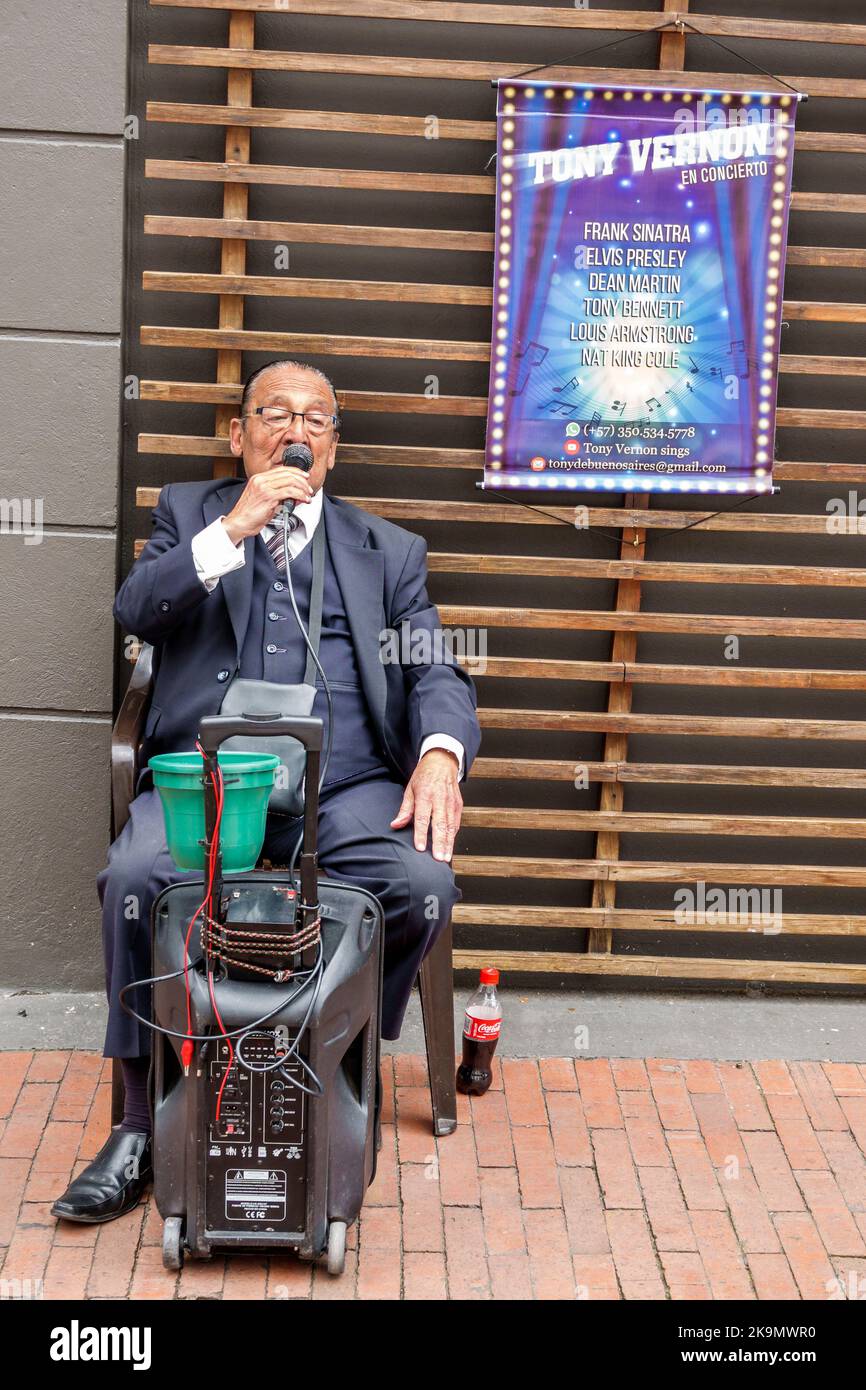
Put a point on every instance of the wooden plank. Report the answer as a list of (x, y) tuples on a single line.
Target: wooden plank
[(852, 257), (672, 52), (319, 233), (670, 774), (437, 11), (320, 344), (619, 701), (407, 509), (823, 312), (299, 287), (809, 365), (646, 919), (656, 823), (394, 402), (661, 571), (690, 725), (536, 17), (658, 871), (828, 202), (360, 123), (836, 472), (830, 142), (672, 43), (767, 678), (662, 967), (599, 620), (437, 70), (542, 668), (189, 446), (646, 673), (233, 251), (820, 419)]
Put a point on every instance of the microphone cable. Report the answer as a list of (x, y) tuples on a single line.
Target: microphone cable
[(329, 742), (305, 979)]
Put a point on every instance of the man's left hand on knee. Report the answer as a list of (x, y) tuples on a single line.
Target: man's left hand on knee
[(432, 799)]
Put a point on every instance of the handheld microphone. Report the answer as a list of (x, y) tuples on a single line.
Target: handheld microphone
[(297, 456), (301, 456)]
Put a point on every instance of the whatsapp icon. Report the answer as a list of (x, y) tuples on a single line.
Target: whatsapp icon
[(572, 428)]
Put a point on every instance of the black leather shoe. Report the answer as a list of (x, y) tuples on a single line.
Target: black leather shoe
[(105, 1189)]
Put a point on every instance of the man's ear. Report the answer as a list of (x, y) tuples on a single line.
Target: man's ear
[(236, 437)]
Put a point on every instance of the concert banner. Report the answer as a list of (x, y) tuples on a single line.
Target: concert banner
[(637, 302)]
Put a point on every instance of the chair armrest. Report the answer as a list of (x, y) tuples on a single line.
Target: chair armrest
[(126, 737)]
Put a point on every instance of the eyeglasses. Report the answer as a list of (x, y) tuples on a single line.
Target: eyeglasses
[(275, 417)]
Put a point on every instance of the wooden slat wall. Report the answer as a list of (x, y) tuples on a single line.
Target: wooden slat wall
[(629, 679)]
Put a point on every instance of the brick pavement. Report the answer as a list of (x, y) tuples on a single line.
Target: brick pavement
[(588, 1179)]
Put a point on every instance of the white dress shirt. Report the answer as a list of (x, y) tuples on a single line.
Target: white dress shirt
[(215, 554)]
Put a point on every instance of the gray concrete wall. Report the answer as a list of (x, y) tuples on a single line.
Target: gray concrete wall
[(63, 79)]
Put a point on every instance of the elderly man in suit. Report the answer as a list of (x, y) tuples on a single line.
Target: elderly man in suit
[(209, 591)]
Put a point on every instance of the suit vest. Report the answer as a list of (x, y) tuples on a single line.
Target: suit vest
[(274, 650)]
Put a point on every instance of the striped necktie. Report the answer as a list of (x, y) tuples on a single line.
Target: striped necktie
[(275, 544)]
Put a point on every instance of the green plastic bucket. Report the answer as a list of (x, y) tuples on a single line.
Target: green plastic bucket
[(248, 780)]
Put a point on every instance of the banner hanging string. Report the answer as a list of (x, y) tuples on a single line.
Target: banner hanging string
[(679, 25), (615, 536)]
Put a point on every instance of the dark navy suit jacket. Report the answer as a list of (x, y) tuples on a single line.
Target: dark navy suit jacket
[(198, 636)]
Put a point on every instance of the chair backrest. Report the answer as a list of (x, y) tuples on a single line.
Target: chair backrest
[(127, 737)]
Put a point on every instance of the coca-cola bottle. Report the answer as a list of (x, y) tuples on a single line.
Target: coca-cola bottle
[(480, 1036)]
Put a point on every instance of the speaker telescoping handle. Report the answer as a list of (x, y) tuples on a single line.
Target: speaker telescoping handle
[(214, 729)]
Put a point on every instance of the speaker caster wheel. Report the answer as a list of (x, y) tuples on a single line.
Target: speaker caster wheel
[(172, 1242), (336, 1247)]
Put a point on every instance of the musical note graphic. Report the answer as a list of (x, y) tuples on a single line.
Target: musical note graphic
[(654, 403), (565, 408), (568, 385), (617, 407), (596, 420), (732, 361), (740, 362), (535, 353), (676, 392)]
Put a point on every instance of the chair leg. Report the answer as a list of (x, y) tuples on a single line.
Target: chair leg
[(436, 987), (118, 1091)]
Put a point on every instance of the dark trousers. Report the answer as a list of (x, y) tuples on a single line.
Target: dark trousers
[(356, 845)]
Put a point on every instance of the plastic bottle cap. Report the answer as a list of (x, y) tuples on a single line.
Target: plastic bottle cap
[(490, 975)]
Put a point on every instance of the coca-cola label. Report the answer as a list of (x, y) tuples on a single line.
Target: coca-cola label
[(482, 1029)]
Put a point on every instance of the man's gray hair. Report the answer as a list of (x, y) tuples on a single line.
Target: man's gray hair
[(287, 362)]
